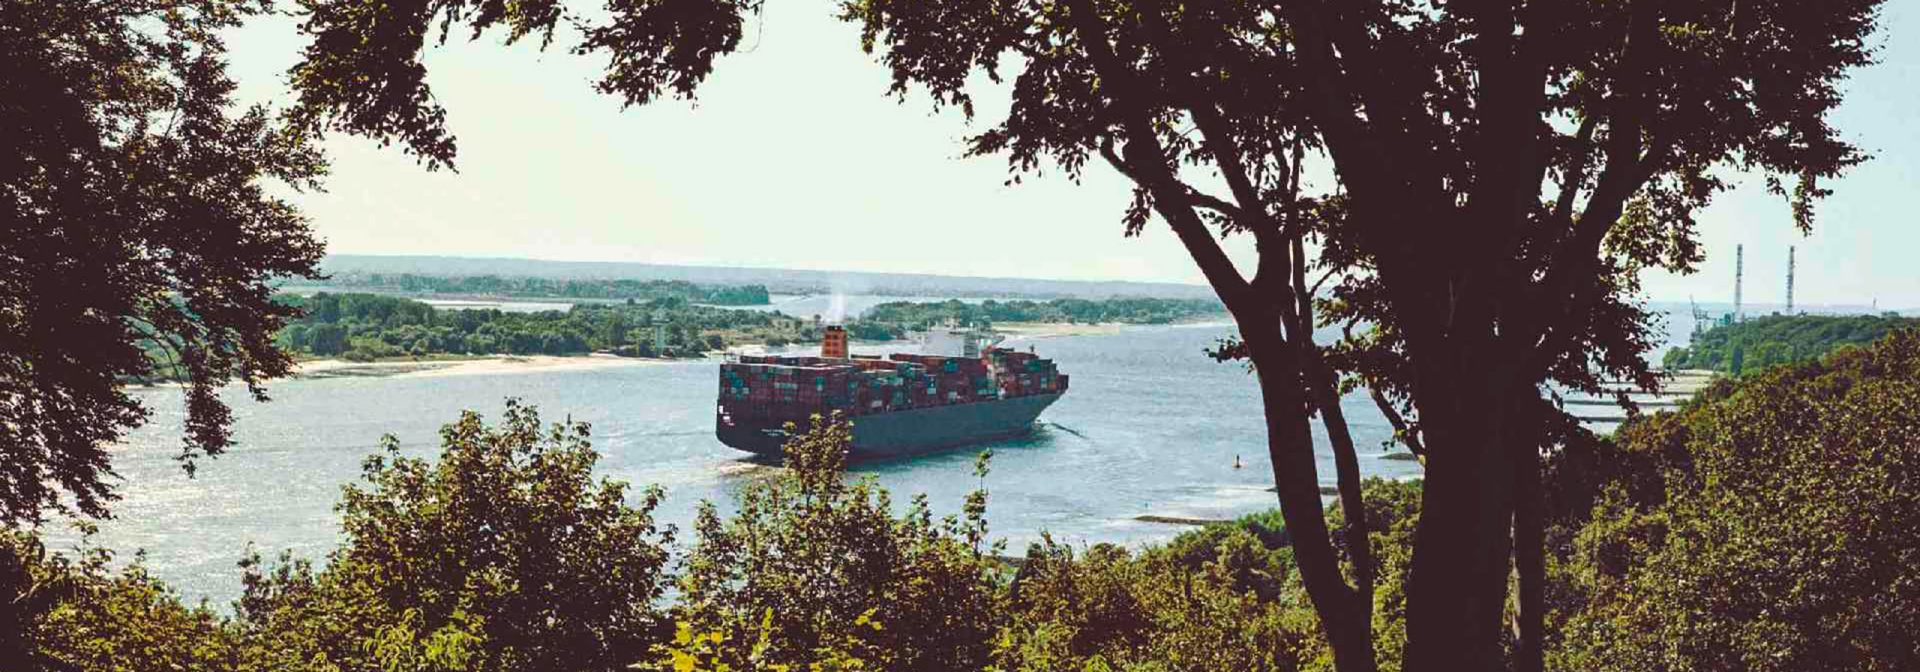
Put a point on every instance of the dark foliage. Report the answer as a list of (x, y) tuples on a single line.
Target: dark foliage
[(136, 215), (363, 73)]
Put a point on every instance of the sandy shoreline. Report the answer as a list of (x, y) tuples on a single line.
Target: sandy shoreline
[(335, 368), (320, 369)]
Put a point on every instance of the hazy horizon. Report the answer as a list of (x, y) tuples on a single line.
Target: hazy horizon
[(803, 269), (1713, 303)]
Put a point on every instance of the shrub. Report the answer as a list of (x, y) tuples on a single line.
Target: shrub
[(66, 613), (814, 570), (502, 554), (1775, 525)]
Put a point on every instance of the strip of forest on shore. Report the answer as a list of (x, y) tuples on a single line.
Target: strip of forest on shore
[(1760, 343), (370, 327)]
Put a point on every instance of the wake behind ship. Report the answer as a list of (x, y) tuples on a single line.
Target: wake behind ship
[(904, 404)]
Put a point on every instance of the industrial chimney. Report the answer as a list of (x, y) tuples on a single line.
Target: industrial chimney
[(833, 345), (1739, 273)]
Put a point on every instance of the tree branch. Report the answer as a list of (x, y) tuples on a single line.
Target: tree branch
[(1403, 430), (1325, 395), (1361, 158), (1576, 177), (1563, 293), (1289, 434), (1148, 159), (1192, 196)]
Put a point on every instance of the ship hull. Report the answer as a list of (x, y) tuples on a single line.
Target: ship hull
[(910, 432)]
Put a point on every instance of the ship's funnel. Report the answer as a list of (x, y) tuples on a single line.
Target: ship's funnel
[(833, 344)]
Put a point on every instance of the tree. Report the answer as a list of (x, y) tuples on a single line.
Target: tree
[(504, 553), (1441, 124), (327, 340), (136, 215)]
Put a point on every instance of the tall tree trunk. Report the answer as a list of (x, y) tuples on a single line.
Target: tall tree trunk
[(1456, 591), (1290, 449), (1323, 389), (1346, 466), (1529, 541)]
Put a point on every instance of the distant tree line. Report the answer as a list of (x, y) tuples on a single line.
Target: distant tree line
[(1764, 342), (553, 288), (365, 327), (1071, 311), (372, 326)]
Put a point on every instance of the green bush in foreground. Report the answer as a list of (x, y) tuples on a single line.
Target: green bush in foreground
[(67, 613), (1772, 525), (816, 571), (503, 554)]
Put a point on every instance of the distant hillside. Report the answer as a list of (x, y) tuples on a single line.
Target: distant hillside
[(780, 281)]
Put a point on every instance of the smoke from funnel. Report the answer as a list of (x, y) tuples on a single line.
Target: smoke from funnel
[(837, 308)]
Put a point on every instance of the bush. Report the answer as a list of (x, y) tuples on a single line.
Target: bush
[(1224, 597), (59, 613), (1775, 525), (503, 554), (816, 571)]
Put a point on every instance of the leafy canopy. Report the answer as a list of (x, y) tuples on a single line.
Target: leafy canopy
[(139, 216), (363, 74)]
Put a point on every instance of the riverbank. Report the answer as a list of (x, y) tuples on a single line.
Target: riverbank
[(457, 365), (465, 366)]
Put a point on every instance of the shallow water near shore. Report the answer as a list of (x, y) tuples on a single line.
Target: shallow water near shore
[(1151, 427)]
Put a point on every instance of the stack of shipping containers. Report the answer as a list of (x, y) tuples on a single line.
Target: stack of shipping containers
[(793, 388)]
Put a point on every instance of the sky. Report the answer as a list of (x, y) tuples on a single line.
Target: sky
[(795, 156)]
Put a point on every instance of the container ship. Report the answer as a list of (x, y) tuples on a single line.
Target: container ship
[(960, 391)]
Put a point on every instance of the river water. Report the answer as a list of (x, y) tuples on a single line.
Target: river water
[(1151, 426)]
